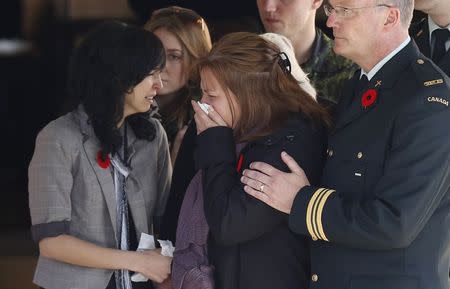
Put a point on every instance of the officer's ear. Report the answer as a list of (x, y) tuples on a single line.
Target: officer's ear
[(392, 17), (316, 4)]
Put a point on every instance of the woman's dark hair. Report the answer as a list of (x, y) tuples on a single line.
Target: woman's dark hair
[(110, 61)]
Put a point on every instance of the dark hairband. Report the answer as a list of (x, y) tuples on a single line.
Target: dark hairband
[(284, 62)]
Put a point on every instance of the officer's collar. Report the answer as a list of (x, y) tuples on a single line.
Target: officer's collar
[(385, 77), (370, 74)]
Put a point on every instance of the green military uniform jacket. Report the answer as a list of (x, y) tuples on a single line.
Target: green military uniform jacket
[(326, 70)]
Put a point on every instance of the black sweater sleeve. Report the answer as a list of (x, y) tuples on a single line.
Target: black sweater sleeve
[(233, 216)]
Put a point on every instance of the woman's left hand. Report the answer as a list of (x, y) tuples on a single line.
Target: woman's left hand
[(206, 120)]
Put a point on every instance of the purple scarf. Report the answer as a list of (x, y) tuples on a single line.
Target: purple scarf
[(191, 268)]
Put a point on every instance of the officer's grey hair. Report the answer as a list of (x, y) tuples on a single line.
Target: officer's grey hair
[(406, 8)]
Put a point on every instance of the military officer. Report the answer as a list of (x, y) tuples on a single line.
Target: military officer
[(381, 217), (295, 19), (432, 34)]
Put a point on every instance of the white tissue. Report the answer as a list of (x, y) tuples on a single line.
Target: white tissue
[(147, 243), (167, 248), (204, 106)]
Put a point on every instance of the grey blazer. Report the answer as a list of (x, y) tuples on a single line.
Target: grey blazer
[(69, 193)]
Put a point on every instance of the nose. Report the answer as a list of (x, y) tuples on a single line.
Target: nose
[(165, 65), (268, 5), (157, 83), (331, 20)]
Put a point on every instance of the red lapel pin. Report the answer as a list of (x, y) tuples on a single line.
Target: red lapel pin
[(103, 163), (369, 97)]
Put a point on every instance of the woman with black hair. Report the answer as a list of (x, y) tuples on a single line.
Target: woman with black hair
[(101, 173)]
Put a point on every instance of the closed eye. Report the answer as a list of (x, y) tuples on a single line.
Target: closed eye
[(174, 57), (205, 94)]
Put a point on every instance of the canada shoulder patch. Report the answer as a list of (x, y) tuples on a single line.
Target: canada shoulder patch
[(438, 100)]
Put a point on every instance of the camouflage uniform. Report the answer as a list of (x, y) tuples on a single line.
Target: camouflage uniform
[(326, 70)]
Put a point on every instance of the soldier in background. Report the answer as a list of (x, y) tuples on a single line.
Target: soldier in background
[(432, 34), (296, 20)]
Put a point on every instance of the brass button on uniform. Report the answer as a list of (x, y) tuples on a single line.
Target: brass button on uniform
[(315, 278), (420, 61), (359, 155), (330, 152)]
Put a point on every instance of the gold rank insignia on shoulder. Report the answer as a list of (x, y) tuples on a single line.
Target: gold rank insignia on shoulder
[(433, 82), (438, 100)]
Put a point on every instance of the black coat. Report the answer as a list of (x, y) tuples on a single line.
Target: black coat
[(183, 172), (250, 243), (420, 32), (383, 215)]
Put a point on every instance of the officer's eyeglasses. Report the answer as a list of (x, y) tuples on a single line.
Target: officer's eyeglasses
[(347, 12)]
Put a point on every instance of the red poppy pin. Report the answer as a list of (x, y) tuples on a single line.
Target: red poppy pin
[(369, 97), (239, 164), (103, 163)]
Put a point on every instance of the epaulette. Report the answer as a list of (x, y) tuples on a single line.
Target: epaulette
[(427, 73), (434, 83)]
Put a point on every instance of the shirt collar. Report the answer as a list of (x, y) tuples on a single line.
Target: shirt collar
[(388, 57), (433, 26)]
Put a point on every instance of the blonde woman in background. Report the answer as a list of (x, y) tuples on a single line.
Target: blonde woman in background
[(185, 36)]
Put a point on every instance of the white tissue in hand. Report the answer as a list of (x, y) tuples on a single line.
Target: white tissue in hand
[(147, 243), (204, 106), (167, 248), (138, 277)]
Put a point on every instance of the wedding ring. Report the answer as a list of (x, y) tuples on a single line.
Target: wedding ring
[(261, 188)]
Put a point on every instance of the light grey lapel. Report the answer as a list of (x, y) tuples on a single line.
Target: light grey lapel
[(91, 148), (104, 178)]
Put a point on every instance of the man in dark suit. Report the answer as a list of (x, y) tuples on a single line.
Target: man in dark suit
[(432, 34), (381, 216)]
